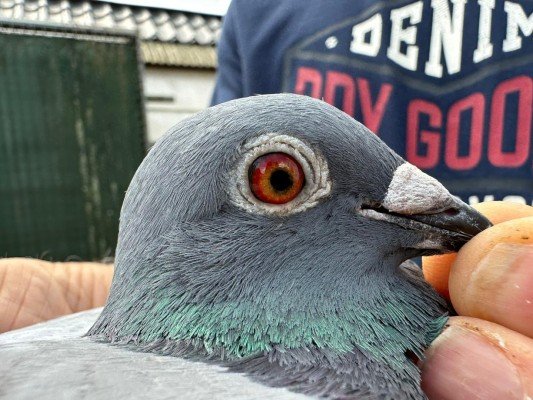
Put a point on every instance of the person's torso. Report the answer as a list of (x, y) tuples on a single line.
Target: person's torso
[(447, 84)]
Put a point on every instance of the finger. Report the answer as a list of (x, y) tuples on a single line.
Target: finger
[(437, 268), (475, 359), (503, 211), (33, 291), (85, 284), (21, 280), (492, 277), (436, 271)]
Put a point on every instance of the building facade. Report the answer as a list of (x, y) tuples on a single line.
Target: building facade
[(177, 49)]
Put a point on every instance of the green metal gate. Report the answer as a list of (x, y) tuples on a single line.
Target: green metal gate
[(71, 137)]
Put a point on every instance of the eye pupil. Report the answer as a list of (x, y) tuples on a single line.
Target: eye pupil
[(280, 180)]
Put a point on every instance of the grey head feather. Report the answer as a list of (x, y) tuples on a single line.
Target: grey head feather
[(313, 300)]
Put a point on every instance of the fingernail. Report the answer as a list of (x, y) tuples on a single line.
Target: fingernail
[(462, 364), (502, 287)]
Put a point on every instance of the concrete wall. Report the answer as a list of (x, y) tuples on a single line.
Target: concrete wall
[(172, 94)]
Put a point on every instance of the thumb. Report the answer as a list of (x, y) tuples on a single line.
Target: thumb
[(475, 359)]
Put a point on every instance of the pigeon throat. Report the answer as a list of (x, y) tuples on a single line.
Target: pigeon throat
[(369, 321)]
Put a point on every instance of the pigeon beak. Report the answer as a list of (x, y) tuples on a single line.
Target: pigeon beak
[(419, 202)]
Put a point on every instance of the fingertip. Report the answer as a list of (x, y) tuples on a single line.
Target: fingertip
[(492, 277), (475, 359), (502, 211), (436, 270)]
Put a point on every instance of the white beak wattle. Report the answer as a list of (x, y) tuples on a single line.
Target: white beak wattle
[(413, 192)]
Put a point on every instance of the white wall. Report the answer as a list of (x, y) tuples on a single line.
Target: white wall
[(172, 94)]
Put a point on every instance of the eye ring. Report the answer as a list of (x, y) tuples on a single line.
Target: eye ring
[(276, 178), (317, 184)]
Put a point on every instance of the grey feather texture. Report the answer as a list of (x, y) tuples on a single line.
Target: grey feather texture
[(52, 361), (308, 295)]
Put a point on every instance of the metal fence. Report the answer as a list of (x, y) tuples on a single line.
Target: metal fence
[(71, 137)]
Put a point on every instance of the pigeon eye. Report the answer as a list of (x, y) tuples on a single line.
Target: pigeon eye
[(276, 178), (279, 175)]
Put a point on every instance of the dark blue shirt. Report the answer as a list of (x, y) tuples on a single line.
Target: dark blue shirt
[(447, 84)]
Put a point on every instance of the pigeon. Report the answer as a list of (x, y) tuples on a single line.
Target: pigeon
[(262, 253)]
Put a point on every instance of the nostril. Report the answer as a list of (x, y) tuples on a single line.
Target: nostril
[(451, 211)]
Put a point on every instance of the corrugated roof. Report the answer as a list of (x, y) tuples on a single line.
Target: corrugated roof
[(206, 7), (154, 26)]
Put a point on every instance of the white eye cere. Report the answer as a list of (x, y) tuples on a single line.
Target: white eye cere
[(317, 182)]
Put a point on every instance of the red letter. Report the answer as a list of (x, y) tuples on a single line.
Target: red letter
[(430, 138), (310, 76), (372, 115), (476, 103), (524, 86), (335, 80)]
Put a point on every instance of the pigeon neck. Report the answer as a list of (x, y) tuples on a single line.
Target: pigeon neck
[(281, 319)]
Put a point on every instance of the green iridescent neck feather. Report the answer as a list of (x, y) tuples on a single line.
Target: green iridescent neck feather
[(383, 328)]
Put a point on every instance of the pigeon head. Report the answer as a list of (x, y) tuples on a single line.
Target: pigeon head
[(274, 226)]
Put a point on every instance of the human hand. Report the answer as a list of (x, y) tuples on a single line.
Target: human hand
[(33, 291), (486, 352)]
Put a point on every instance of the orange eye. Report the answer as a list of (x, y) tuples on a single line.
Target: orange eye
[(276, 178)]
